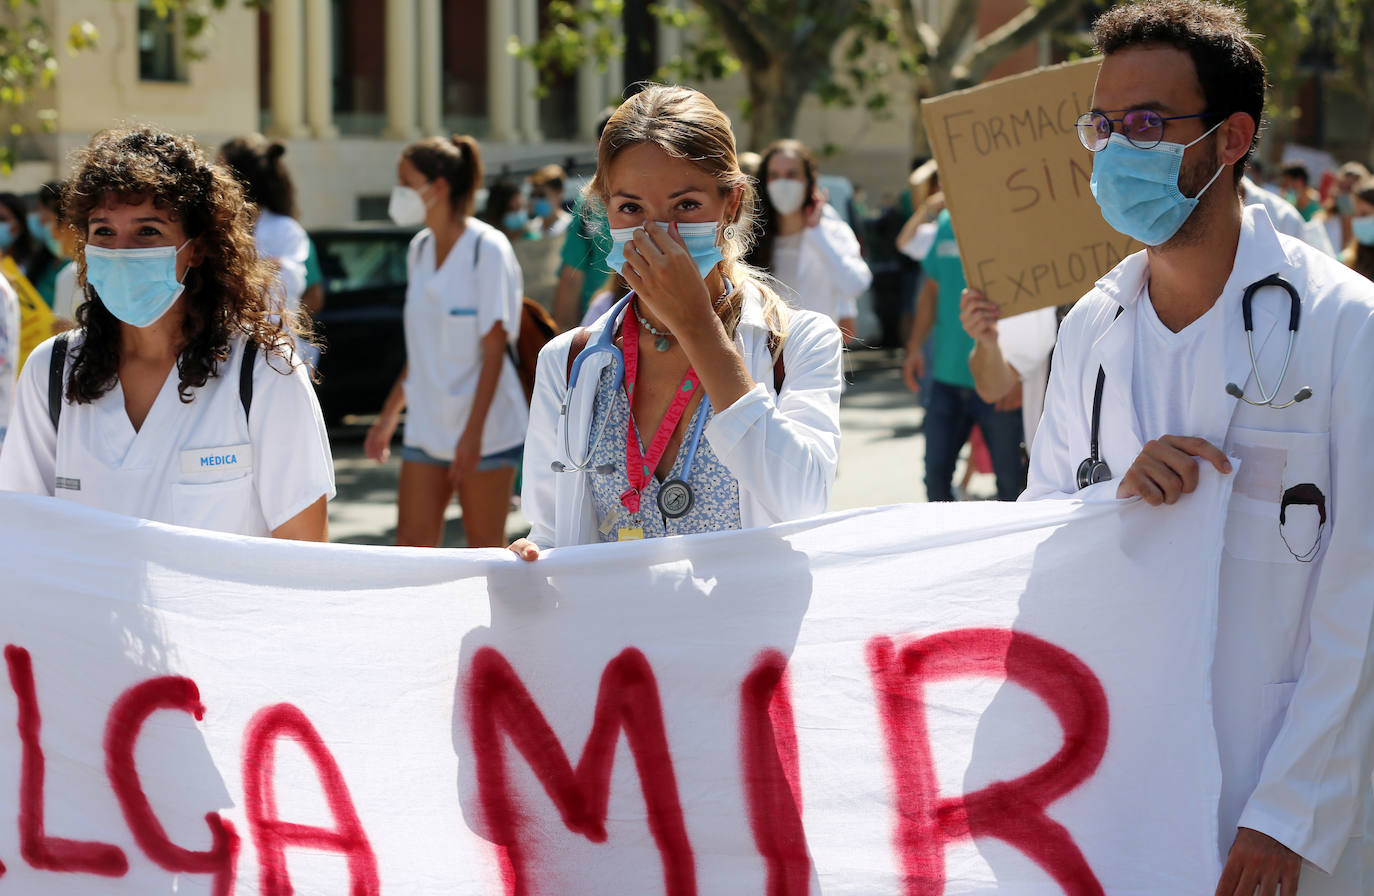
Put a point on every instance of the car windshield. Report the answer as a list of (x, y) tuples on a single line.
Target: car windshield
[(362, 261)]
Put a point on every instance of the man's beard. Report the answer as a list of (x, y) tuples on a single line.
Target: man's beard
[(1191, 181)]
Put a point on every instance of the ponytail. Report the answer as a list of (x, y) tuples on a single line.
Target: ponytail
[(457, 160)]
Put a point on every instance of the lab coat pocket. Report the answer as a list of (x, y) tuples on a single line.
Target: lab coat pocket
[(1279, 512), (229, 505)]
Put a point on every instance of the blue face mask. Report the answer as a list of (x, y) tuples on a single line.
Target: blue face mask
[(541, 207), (1137, 189), (39, 229), (1363, 230), (700, 240), (6, 235), (515, 219), (136, 285)]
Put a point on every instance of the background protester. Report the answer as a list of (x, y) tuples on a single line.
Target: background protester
[(548, 217), (700, 429), (1339, 205), (35, 260), (1296, 185), (1285, 217), (506, 211), (182, 400), (920, 204), (953, 406), (1359, 251), (1010, 355), (465, 408), (49, 224), (803, 243), (257, 165), (583, 268)]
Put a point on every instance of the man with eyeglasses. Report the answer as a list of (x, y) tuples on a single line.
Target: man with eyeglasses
[(1165, 365)]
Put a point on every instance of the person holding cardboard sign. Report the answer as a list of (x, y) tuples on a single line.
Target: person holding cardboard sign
[(1165, 365)]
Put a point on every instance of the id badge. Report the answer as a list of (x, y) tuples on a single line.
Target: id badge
[(630, 533)]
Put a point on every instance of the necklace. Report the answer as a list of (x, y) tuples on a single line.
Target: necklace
[(661, 337)]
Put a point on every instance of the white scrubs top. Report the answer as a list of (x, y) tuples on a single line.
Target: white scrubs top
[(447, 313), (202, 463)]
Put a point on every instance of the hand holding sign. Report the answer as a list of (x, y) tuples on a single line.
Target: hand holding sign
[(1017, 182)]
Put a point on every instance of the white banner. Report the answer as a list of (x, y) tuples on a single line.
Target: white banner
[(924, 700)]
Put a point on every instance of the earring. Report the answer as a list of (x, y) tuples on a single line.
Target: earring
[(729, 233)]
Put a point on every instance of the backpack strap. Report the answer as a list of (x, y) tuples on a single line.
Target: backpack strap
[(250, 357), (579, 342), (57, 368)]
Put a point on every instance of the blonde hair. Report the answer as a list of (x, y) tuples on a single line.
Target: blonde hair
[(685, 124)]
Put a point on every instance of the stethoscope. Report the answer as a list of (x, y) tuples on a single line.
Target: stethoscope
[(675, 497), (1094, 469)]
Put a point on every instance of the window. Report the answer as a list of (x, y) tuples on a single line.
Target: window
[(160, 56)]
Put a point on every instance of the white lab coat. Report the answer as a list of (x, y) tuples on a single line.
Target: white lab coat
[(1292, 693), (782, 448), (831, 272)]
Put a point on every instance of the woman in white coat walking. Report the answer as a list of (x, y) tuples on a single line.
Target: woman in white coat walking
[(803, 242), (701, 402)]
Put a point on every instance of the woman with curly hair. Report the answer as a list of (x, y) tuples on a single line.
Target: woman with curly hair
[(700, 402), (178, 398)]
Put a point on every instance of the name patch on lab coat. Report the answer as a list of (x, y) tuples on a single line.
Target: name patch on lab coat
[(236, 458)]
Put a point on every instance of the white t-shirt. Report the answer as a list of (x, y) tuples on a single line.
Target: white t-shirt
[(283, 240), (447, 313), (9, 352), (787, 261), (202, 463), (1168, 368), (1026, 341), (67, 296)]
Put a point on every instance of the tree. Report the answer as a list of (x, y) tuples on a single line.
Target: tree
[(1301, 39), (784, 48), (953, 57), (29, 54)]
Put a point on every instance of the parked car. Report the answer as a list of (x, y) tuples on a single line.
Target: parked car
[(360, 326)]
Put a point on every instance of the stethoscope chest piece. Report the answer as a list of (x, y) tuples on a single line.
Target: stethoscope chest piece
[(1092, 471), (675, 499)]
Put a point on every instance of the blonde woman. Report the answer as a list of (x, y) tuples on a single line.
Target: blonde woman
[(700, 402)]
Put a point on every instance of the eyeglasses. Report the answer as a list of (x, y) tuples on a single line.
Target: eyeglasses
[(1144, 128)]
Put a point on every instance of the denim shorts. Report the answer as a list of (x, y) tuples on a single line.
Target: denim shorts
[(511, 457)]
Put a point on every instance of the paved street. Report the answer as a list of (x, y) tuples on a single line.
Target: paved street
[(880, 460)]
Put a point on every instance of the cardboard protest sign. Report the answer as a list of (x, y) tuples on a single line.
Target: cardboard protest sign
[(35, 317), (929, 699), (1016, 178)]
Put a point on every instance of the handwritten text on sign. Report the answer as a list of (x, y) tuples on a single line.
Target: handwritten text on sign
[(757, 712), (1016, 179)]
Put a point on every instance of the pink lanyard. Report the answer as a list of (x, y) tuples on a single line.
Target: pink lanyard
[(638, 466)]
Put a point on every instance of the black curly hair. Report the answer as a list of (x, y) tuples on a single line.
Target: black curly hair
[(228, 294)]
